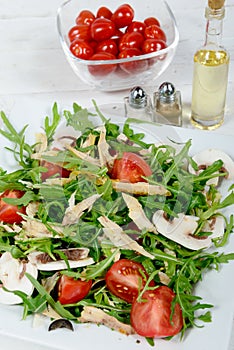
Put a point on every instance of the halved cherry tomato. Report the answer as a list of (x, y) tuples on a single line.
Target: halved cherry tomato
[(151, 20), (81, 31), (126, 278), (53, 170), (103, 69), (123, 16), (102, 29), (71, 291), (152, 316), (131, 40), (81, 49), (9, 212), (155, 32), (130, 168), (152, 45), (108, 45), (104, 12)]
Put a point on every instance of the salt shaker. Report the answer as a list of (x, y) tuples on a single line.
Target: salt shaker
[(138, 105), (167, 104)]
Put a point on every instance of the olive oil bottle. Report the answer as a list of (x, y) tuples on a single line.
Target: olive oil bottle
[(210, 75)]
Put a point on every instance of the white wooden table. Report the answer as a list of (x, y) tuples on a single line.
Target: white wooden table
[(34, 72)]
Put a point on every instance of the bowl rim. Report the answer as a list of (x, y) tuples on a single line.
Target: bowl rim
[(155, 54)]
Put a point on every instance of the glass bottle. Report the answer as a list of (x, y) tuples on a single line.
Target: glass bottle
[(167, 104), (210, 75), (138, 105)]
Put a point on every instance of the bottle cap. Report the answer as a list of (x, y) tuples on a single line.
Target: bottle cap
[(216, 4), (137, 97), (166, 92)]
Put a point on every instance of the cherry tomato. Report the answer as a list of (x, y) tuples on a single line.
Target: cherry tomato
[(152, 316), (149, 21), (85, 17), (103, 69), (136, 26), (53, 170), (102, 29), (152, 45), (129, 53), (123, 16), (126, 278), (131, 40), (104, 12), (155, 32), (71, 291), (81, 31), (9, 212), (130, 168), (108, 45), (81, 49)]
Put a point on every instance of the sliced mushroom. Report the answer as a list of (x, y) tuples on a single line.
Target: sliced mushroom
[(12, 276), (216, 225), (137, 214), (181, 230), (76, 257), (208, 157), (139, 188), (119, 238), (95, 315)]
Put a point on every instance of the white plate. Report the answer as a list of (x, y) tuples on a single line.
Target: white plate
[(216, 287)]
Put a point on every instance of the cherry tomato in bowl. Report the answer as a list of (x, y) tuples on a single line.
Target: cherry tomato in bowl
[(154, 316), (123, 16), (85, 17), (102, 70), (155, 32), (130, 168), (9, 212), (104, 12), (102, 29), (152, 45), (126, 278)]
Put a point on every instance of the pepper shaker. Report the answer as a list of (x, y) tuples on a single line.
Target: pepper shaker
[(138, 105), (167, 103)]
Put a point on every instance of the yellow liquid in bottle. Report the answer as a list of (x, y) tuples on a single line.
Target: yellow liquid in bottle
[(210, 78)]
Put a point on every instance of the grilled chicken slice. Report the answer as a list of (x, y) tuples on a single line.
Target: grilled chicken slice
[(119, 238), (95, 315), (139, 188), (73, 213), (137, 214)]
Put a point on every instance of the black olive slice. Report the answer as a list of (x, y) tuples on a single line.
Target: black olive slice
[(60, 323)]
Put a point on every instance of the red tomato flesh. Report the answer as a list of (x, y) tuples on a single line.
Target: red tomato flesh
[(71, 291), (9, 212), (53, 170), (152, 316), (126, 278), (130, 168)]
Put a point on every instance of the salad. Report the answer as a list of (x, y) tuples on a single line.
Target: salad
[(97, 225)]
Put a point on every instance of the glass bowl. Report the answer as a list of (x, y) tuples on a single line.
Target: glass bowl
[(124, 73)]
